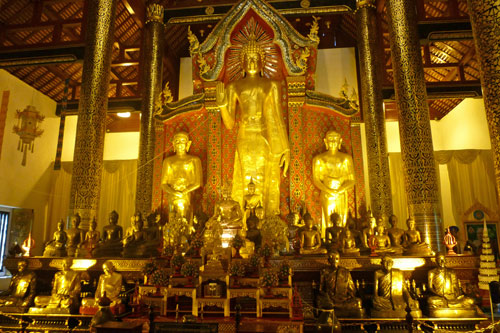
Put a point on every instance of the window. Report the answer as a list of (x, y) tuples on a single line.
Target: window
[(4, 224)]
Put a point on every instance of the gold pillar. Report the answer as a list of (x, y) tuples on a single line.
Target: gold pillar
[(485, 18), (151, 72), (87, 161), (371, 64), (414, 123)]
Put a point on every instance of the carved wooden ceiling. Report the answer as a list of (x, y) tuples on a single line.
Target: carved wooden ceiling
[(42, 43)]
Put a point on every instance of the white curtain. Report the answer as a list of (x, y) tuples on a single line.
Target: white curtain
[(117, 193), (471, 177)]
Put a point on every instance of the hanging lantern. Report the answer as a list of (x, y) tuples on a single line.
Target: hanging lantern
[(27, 129)]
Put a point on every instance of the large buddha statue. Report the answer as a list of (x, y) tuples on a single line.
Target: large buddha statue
[(262, 144), (65, 292), (110, 283), (57, 246), (333, 174), (181, 175), (310, 239), (391, 296), (447, 298), (75, 235), (111, 245), (337, 290), (21, 292)]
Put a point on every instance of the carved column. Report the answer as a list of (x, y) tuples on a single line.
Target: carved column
[(89, 145), (414, 123), (371, 64), (485, 18), (151, 72)]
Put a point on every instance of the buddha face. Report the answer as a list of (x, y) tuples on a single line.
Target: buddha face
[(380, 230), (181, 143), (332, 141), (60, 226), (373, 222), (21, 266), (259, 212), (335, 219), (387, 263), (251, 188), (393, 220), (108, 268), (440, 260), (309, 223), (334, 259), (66, 265), (410, 223), (75, 221), (252, 63), (93, 225), (113, 217)]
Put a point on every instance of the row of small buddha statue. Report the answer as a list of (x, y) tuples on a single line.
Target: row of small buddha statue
[(373, 238), (392, 297), (65, 293), (138, 241)]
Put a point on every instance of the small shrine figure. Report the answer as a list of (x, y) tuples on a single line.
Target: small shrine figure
[(368, 232), (152, 228), (75, 235), (65, 292), (338, 291), (251, 200), (57, 246), (181, 175), (413, 243), (334, 234), (253, 233), (382, 241), (134, 242), (349, 247), (228, 210), (21, 292), (111, 245), (391, 296), (310, 239), (396, 235), (447, 298), (91, 241)]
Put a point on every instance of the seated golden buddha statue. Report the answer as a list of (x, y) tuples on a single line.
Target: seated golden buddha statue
[(447, 298), (110, 283), (21, 292), (349, 247), (91, 241), (251, 200), (181, 175), (334, 233), (65, 292), (337, 290), (57, 246), (396, 235), (75, 235), (310, 239), (229, 211), (413, 244), (111, 244), (391, 296), (382, 241)]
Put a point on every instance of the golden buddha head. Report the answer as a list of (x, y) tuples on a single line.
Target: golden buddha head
[(332, 140), (387, 263), (108, 267), (93, 224), (66, 264), (440, 260), (334, 259), (380, 229), (60, 225), (21, 265), (181, 142), (260, 212), (410, 223), (251, 187), (393, 220), (75, 220), (252, 56)]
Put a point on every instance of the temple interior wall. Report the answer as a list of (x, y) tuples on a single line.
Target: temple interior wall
[(29, 187)]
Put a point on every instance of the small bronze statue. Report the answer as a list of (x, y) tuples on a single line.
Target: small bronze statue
[(21, 292), (391, 296), (310, 239), (447, 298), (66, 287), (396, 235), (338, 291), (111, 245), (57, 246), (75, 236), (413, 243)]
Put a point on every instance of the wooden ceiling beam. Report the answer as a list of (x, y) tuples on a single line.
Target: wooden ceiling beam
[(137, 11)]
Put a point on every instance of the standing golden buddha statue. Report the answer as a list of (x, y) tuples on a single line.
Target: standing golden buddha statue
[(181, 175), (333, 174), (262, 145)]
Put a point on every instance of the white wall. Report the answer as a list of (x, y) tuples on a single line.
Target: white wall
[(27, 186)]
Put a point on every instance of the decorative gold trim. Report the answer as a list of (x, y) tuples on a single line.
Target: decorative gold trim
[(154, 13)]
